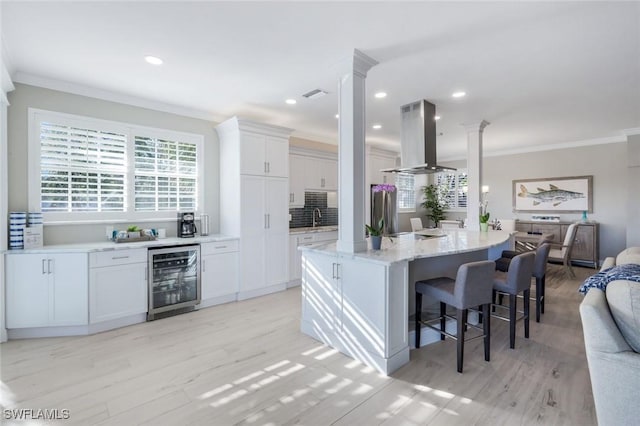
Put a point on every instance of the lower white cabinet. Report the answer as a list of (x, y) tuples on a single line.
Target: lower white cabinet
[(117, 284), (302, 240), (219, 267), (46, 290)]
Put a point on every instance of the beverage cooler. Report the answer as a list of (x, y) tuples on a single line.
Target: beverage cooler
[(174, 280)]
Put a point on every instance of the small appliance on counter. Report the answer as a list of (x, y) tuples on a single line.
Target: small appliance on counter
[(186, 225)]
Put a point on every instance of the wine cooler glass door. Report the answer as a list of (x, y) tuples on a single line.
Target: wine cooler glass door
[(175, 280)]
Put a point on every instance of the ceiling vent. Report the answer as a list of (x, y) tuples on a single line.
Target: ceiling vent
[(316, 93)]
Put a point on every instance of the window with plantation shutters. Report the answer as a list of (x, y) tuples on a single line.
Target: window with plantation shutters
[(405, 185), (452, 189), (86, 169), (81, 169), (165, 175)]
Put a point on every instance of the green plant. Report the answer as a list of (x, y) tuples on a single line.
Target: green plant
[(376, 231), (484, 218), (132, 228), (434, 203)]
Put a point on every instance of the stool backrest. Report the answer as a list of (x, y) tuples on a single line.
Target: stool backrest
[(540, 264), (474, 283), (520, 271)]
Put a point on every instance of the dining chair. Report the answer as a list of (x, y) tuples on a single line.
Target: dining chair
[(416, 224), (562, 252)]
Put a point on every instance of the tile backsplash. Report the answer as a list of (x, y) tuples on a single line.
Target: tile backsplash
[(303, 217)]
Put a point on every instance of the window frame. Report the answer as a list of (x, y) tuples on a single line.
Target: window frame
[(415, 198), (36, 116), (457, 207)]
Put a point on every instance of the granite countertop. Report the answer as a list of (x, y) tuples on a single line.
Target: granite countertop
[(418, 245), (110, 245), (310, 229)]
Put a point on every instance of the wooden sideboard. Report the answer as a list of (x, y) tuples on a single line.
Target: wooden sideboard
[(586, 247)]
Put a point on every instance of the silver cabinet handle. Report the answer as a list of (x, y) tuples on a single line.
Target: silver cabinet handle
[(333, 271), (49, 268), (268, 167), (337, 271), (269, 220), (384, 179), (119, 257), (43, 270), (220, 247), (308, 238), (204, 268), (265, 221), (265, 167)]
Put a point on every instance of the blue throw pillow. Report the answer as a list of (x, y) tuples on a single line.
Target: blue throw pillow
[(629, 272)]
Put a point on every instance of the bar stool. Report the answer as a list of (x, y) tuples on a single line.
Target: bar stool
[(517, 279), (539, 273), (472, 287)]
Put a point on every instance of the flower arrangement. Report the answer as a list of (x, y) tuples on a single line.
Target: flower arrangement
[(387, 187), (484, 214)]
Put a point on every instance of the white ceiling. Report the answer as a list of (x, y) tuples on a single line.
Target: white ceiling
[(541, 73)]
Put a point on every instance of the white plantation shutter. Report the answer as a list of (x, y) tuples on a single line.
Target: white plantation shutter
[(405, 185), (165, 174), (81, 169), (451, 188)]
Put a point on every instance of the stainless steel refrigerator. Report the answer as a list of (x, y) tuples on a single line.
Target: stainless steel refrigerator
[(384, 204)]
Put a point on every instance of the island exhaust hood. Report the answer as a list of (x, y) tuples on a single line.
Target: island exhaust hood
[(418, 140)]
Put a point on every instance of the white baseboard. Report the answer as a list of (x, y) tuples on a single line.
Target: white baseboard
[(243, 295), (218, 300)]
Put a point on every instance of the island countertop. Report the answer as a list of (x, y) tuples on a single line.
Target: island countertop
[(422, 244)]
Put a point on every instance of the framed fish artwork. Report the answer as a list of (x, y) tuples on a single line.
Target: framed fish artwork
[(572, 194)]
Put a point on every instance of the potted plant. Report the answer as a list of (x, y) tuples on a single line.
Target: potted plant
[(133, 232), (484, 217), (434, 203), (376, 234)]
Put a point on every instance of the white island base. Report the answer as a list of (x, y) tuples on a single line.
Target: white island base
[(360, 303)]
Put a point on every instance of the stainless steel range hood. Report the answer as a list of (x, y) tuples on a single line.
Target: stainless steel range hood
[(418, 140)]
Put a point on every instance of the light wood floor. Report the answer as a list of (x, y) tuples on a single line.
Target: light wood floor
[(247, 363)]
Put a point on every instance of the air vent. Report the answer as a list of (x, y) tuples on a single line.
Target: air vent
[(317, 93)]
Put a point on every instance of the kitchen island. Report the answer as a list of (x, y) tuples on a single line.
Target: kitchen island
[(359, 303)]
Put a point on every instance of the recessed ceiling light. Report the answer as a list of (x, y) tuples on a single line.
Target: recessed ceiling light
[(337, 115), (459, 94), (291, 101), (437, 117), (377, 126), (381, 95), (153, 60)]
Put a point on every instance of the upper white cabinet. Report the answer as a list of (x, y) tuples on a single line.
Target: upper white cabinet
[(297, 164), (254, 201), (321, 174), (46, 290), (263, 155), (378, 162)]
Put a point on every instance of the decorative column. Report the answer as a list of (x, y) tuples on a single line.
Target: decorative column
[(474, 172), (351, 152)]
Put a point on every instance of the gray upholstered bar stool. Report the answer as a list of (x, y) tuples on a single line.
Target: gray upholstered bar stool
[(539, 273), (517, 279), (471, 288)]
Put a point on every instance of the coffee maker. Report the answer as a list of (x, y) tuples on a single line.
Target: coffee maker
[(186, 225)]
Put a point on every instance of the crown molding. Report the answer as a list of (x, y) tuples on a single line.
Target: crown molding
[(540, 148), (106, 95), (235, 124)]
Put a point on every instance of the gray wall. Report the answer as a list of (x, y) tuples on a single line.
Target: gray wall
[(633, 200), (26, 96), (607, 163)]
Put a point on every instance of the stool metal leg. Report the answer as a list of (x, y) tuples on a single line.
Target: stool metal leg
[(538, 298), (512, 320), (461, 326), (443, 320), (486, 329), (544, 279), (418, 318), (527, 302)]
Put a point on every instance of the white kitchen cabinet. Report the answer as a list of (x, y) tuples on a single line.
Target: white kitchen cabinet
[(117, 284), (305, 240), (263, 155), (297, 172), (219, 267), (376, 163), (46, 290), (321, 174), (255, 206)]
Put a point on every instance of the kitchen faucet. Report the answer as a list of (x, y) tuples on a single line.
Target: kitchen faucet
[(315, 222)]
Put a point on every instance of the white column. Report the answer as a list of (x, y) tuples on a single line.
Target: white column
[(351, 152), (474, 172)]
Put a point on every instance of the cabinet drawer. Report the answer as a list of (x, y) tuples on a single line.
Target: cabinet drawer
[(117, 257), (218, 247)]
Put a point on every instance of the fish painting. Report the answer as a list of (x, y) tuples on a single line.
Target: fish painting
[(553, 195)]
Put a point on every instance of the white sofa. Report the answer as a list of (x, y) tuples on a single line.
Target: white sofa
[(611, 325)]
